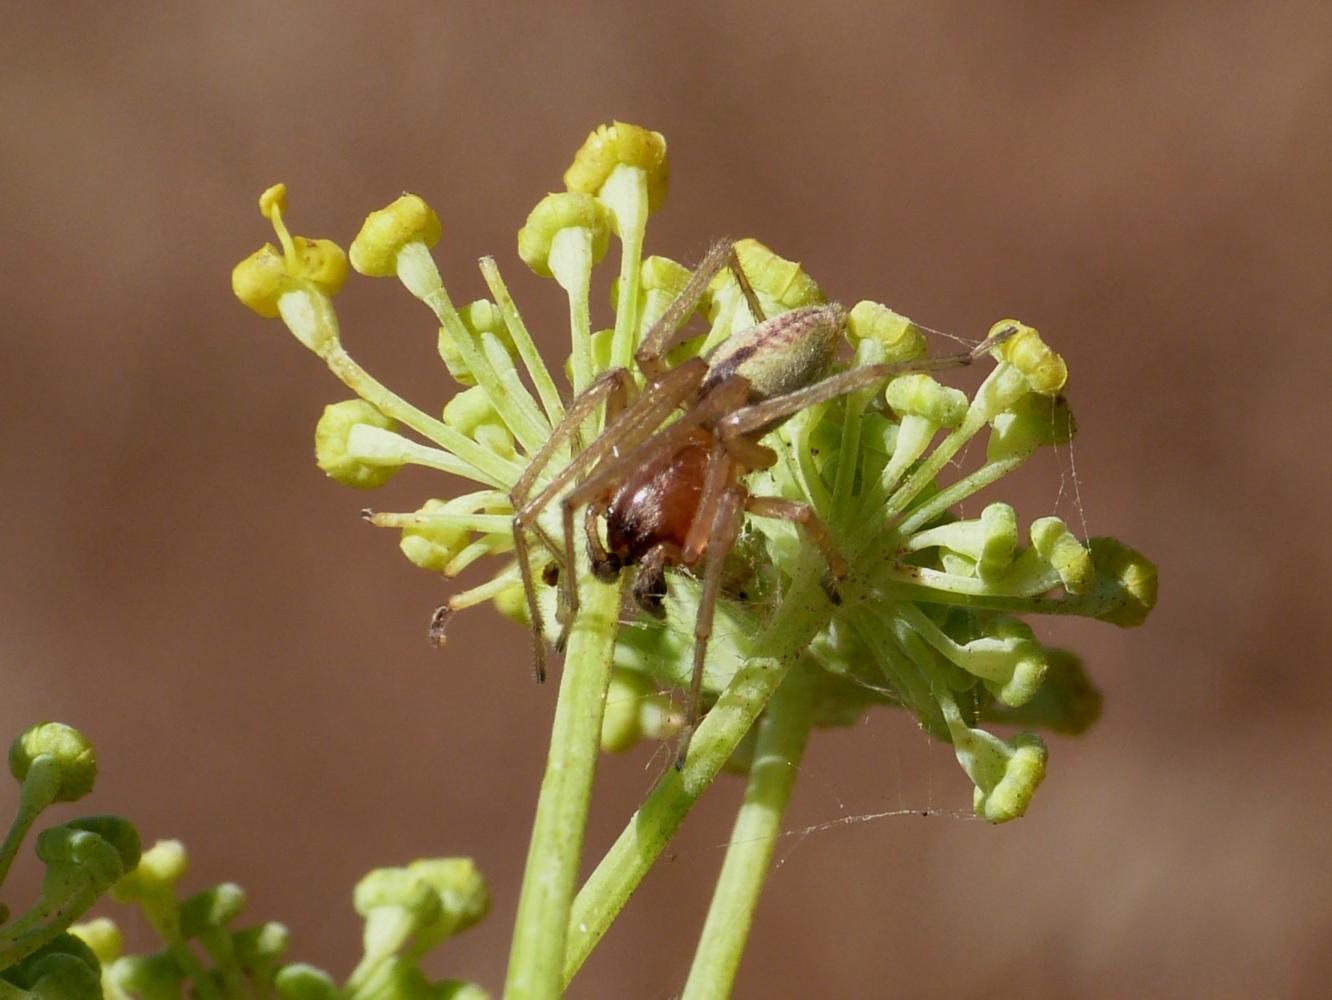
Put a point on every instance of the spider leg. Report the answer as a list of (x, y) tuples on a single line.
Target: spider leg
[(759, 415), (637, 422), (725, 527), (650, 584), (612, 388), (802, 515), (654, 343)]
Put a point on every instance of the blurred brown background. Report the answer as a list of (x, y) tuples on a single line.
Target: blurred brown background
[(1147, 183)]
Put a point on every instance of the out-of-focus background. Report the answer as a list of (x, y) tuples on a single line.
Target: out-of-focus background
[(1147, 183)]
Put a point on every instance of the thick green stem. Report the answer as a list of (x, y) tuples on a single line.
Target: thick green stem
[(537, 954), (781, 743), (651, 828)]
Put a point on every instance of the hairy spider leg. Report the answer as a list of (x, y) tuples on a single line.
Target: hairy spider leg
[(751, 418), (613, 388), (722, 533), (722, 399), (637, 421), (735, 499), (803, 517), (656, 340)]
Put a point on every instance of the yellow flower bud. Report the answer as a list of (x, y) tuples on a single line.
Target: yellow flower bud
[(779, 282), (918, 395), (66, 748), (1133, 578), (1022, 772), (375, 250), (331, 444), (433, 546), (902, 340), (263, 277), (609, 146), (557, 212), (1058, 546), (1025, 350)]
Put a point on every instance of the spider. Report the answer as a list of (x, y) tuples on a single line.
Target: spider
[(671, 491)]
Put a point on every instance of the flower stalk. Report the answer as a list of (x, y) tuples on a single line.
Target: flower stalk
[(781, 743)]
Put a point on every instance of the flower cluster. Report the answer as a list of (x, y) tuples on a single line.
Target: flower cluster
[(407, 912), (927, 617), (84, 858)]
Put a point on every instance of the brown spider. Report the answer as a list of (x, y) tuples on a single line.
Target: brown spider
[(671, 492)]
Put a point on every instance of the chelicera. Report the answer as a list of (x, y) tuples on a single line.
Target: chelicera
[(671, 491)]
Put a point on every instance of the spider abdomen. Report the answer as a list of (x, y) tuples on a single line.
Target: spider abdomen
[(657, 504)]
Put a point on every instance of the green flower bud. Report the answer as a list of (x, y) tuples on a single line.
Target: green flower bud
[(1009, 777), (67, 751), (102, 936), (780, 280), (600, 343), (463, 894), (918, 395), (1067, 702), (63, 969), (1055, 544), (433, 546), (1008, 658), (1034, 421), (155, 878), (780, 284), (660, 282), (331, 434), (259, 948), (615, 145), (902, 340), (469, 409), (484, 317), (660, 274), (988, 542), (150, 977), (472, 412), (396, 904), (1045, 370), (211, 909), (1125, 583), (97, 859), (554, 214), (120, 833), (387, 231), (300, 981)]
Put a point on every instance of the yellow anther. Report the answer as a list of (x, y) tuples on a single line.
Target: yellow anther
[(557, 212), (1025, 350), (609, 146), (409, 219)]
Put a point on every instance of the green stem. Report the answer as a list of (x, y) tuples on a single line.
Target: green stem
[(522, 341), (537, 954), (781, 743), (625, 191), (489, 467), (991, 472), (417, 271), (651, 828), (37, 791)]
